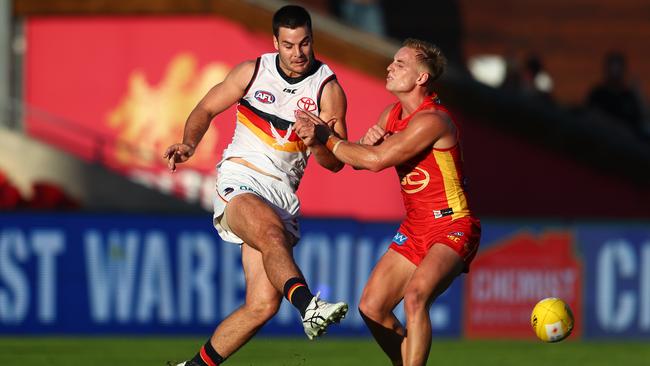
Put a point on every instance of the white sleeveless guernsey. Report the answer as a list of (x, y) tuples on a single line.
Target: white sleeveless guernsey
[(264, 133)]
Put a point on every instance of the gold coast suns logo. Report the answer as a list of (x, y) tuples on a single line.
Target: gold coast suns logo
[(415, 181)]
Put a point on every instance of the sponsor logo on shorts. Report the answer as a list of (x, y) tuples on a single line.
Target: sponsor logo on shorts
[(442, 213), (264, 96), (455, 236), (399, 238), (246, 188)]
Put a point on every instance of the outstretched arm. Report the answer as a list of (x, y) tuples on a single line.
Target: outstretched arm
[(426, 129), (217, 100)]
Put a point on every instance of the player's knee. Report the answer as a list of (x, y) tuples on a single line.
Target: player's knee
[(275, 237), (414, 300), (371, 308)]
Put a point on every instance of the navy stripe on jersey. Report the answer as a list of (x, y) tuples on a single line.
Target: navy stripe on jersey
[(314, 67), (277, 122), (322, 86), (257, 67)]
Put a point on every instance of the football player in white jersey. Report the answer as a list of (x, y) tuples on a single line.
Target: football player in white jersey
[(256, 204)]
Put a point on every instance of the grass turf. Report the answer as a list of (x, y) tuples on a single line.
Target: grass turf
[(138, 351)]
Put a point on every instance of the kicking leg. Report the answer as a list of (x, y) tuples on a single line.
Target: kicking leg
[(384, 290), (257, 224), (431, 278)]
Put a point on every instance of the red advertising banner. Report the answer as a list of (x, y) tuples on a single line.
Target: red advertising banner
[(118, 90), (509, 278)]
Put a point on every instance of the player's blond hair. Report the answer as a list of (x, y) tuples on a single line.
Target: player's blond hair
[(430, 56)]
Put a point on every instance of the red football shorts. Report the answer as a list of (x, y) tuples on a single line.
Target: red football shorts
[(461, 235)]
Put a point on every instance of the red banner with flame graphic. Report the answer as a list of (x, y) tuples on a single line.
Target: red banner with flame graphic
[(118, 90)]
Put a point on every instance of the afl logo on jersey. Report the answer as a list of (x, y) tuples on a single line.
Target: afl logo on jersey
[(307, 104), (264, 97), (415, 181)]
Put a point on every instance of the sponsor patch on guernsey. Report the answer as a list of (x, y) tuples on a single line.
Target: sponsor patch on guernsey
[(442, 213)]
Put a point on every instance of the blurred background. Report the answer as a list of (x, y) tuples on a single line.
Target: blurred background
[(97, 238)]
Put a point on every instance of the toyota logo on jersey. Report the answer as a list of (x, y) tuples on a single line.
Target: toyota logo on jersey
[(264, 96), (307, 104)]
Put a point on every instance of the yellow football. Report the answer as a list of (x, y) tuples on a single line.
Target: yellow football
[(552, 320)]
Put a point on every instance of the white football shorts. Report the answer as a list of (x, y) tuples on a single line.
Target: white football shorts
[(234, 179)]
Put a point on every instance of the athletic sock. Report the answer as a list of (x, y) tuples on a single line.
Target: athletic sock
[(298, 294), (208, 356)]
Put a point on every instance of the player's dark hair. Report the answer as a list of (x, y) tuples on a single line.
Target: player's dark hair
[(430, 56), (292, 17)]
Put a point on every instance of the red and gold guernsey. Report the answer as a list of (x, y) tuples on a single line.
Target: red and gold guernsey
[(432, 182), (433, 190)]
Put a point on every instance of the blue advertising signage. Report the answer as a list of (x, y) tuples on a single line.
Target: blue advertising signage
[(121, 274), (126, 274), (617, 280)]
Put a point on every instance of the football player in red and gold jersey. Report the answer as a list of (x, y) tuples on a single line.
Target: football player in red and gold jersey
[(439, 237)]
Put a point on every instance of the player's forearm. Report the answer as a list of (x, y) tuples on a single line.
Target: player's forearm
[(325, 158), (196, 126), (354, 154)]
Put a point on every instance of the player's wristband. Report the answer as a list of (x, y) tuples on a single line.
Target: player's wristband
[(332, 145), (329, 144), (336, 146)]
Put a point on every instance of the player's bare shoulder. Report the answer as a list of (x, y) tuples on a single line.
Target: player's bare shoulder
[(435, 125), (243, 72), (333, 93), (334, 105), (432, 118), (445, 119)]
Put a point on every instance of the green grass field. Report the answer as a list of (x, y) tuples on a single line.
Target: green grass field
[(101, 351)]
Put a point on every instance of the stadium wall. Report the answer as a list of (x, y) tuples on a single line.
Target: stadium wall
[(146, 74), (27, 162), (103, 274)]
